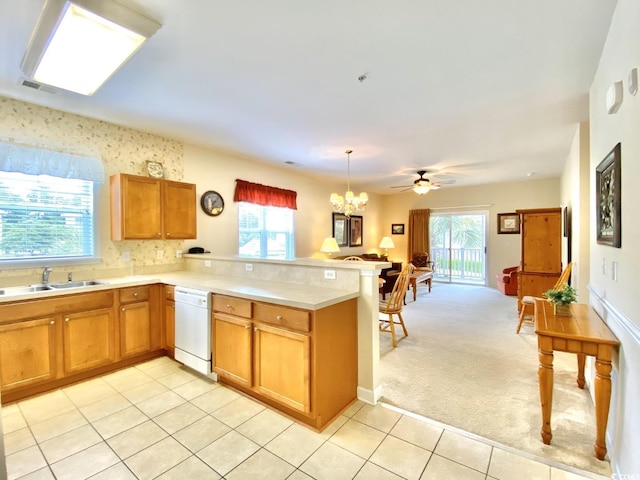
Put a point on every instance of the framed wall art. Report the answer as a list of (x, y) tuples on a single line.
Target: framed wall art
[(508, 223), (341, 229), (397, 229), (608, 200), (355, 231)]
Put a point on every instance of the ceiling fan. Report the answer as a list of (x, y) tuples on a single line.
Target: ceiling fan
[(422, 185)]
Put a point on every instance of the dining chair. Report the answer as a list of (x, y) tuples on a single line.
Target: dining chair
[(393, 306), (527, 304), (353, 258)]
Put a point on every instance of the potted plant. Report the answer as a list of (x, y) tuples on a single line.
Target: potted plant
[(561, 298)]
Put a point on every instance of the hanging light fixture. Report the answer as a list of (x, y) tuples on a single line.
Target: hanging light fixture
[(349, 204)]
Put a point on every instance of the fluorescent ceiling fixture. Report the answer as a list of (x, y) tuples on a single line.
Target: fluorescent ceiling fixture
[(78, 45)]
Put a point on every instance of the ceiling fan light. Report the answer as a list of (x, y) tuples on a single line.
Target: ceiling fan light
[(421, 188)]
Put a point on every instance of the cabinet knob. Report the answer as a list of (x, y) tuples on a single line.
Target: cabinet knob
[(122, 309), (66, 319), (159, 234), (278, 317), (168, 234), (52, 322), (255, 329), (228, 306), (135, 294), (247, 327)]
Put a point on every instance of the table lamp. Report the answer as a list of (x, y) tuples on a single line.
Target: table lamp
[(386, 243), (329, 246)]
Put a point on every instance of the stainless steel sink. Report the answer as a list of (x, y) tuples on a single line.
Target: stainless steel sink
[(85, 283), (41, 287)]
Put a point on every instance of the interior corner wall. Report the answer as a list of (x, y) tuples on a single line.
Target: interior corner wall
[(574, 194), (619, 296), (503, 250), (218, 170)]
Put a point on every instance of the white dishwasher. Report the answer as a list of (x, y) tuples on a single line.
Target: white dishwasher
[(193, 329)]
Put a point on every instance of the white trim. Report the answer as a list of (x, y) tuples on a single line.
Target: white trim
[(370, 396), (615, 315)]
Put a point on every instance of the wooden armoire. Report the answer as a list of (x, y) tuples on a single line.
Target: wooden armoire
[(541, 251)]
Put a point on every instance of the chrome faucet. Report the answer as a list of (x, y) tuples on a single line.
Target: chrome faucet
[(45, 274)]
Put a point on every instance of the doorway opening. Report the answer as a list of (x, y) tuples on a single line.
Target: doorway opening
[(458, 247)]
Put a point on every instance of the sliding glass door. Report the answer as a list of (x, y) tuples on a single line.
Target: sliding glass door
[(458, 247)]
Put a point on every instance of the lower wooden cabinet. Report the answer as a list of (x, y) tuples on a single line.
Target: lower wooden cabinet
[(27, 353), (88, 340), (302, 362), (169, 312), (135, 329)]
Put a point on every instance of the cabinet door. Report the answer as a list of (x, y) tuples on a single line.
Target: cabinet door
[(135, 329), (281, 366), (232, 348), (138, 206), (170, 327), (179, 210), (27, 353), (541, 242), (88, 339)]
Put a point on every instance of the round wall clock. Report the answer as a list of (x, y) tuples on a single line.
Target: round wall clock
[(212, 203), (155, 169)]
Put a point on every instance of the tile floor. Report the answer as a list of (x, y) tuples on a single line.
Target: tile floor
[(159, 420)]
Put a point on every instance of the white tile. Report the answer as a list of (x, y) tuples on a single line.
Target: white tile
[(160, 404), (157, 459), (237, 412), (228, 452), (179, 417), (464, 450), (299, 475), (163, 370), (124, 380), (401, 458), (144, 392), (156, 362), (136, 439), (371, 471), (69, 443), (18, 440), (43, 407), (119, 422), (119, 471), (215, 399), (262, 465), (13, 422), (88, 392), (418, 432), (330, 462), (105, 407), (440, 467), (508, 466), (558, 474), (195, 388), (25, 461), (191, 469), (10, 409), (177, 378), (353, 408), (333, 427), (358, 438), (42, 474), (295, 444), (265, 426), (85, 463), (58, 425), (201, 433), (377, 417)]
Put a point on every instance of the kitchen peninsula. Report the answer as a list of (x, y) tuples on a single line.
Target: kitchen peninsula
[(299, 284)]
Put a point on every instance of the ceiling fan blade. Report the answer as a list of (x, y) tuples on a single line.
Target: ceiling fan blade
[(402, 186)]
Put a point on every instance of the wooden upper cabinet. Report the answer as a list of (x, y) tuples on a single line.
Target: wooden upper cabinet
[(145, 208), (179, 210), (541, 240)]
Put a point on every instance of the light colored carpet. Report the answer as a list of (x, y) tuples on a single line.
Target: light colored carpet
[(463, 365)]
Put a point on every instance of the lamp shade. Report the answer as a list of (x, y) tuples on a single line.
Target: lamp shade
[(329, 245), (386, 242)]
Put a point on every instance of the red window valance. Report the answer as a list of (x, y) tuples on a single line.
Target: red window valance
[(264, 195)]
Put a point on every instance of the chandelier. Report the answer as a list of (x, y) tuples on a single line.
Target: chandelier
[(349, 204)]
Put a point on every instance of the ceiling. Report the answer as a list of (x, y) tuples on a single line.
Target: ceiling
[(477, 91)]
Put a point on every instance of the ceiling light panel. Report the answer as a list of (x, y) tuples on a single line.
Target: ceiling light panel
[(78, 45)]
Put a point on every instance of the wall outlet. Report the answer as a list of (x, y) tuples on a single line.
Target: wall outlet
[(330, 274), (178, 253), (207, 263), (125, 256), (159, 254), (248, 267)]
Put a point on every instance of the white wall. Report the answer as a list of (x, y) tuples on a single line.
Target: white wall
[(502, 250), (617, 300)]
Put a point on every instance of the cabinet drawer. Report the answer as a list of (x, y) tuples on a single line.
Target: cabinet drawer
[(169, 292), (232, 305), (134, 294), (283, 316)]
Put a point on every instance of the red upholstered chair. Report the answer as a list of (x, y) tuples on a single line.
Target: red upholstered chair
[(508, 281)]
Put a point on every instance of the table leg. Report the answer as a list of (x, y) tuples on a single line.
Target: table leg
[(429, 283), (414, 285), (545, 376), (581, 361), (603, 397)]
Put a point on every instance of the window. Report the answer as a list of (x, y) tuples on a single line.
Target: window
[(265, 232), (45, 218)]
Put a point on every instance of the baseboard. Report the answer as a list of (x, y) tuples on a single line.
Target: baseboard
[(370, 396)]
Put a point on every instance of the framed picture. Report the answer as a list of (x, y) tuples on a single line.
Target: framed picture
[(397, 229), (508, 223), (355, 231), (608, 202), (341, 229)]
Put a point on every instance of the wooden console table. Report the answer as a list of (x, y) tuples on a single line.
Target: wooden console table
[(584, 333)]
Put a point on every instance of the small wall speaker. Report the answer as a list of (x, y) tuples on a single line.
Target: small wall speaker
[(614, 97)]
